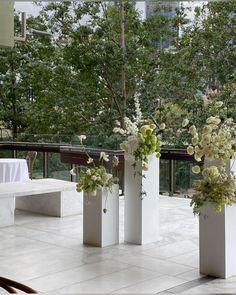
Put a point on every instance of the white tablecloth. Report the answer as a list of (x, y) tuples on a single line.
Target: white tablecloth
[(13, 170)]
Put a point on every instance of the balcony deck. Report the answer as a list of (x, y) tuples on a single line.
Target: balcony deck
[(47, 254)]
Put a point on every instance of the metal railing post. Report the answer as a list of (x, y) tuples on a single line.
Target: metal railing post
[(172, 177), (45, 165)]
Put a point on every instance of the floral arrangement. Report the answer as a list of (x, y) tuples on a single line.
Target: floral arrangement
[(216, 187), (216, 140), (96, 176), (216, 143), (140, 137)]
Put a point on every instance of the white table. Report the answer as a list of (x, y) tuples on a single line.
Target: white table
[(12, 170)]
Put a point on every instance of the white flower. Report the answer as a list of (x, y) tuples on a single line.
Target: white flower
[(145, 166), (195, 140), (132, 144), (198, 155), (190, 150), (206, 139), (81, 138), (104, 156), (117, 123), (88, 172), (115, 161), (131, 127), (218, 104), (196, 169), (197, 158), (107, 177), (138, 111), (90, 160), (94, 178), (192, 130), (213, 120), (207, 129), (211, 172), (162, 126), (72, 171), (119, 130), (185, 122)]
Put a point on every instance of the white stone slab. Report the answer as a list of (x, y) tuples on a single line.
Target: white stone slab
[(51, 197), (47, 196), (7, 210)]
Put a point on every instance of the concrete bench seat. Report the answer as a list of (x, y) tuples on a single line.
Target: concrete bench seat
[(46, 196)]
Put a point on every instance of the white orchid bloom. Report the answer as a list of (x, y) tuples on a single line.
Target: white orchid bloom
[(81, 138), (185, 122), (72, 171), (104, 156), (90, 160)]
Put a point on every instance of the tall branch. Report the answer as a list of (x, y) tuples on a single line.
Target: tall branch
[(122, 69)]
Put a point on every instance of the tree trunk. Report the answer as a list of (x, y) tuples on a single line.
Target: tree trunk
[(123, 78), (13, 101)]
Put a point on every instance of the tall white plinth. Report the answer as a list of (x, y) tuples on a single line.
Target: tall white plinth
[(141, 223), (217, 240), (217, 237), (101, 229)]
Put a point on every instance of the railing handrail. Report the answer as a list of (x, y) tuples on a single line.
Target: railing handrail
[(166, 153)]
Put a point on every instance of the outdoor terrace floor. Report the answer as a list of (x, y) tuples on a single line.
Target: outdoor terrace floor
[(47, 254)]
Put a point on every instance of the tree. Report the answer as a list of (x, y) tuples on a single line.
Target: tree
[(22, 75)]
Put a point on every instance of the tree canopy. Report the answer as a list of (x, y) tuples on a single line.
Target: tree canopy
[(70, 83)]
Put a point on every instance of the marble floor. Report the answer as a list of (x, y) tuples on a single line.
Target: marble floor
[(47, 254)]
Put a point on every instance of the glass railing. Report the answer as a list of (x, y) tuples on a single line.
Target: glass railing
[(176, 177)]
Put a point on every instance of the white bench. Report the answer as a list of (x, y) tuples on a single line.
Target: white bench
[(46, 196)]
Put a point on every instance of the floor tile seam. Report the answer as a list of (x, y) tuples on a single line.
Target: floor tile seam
[(166, 259), (31, 251), (60, 235), (182, 273), (45, 274), (46, 242), (16, 256), (145, 268), (22, 227), (71, 268), (51, 273), (191, 252), (56, 245), (98, 276), (57, 272), (49, 231), (143, 281), (177, 242)]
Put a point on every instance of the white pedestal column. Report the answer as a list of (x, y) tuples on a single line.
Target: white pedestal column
[(217, 241), (217, 238), (142, 215), (99, 228)]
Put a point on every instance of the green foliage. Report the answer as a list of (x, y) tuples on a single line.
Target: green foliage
[(70, 83), (92, 179), (218, 189)]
